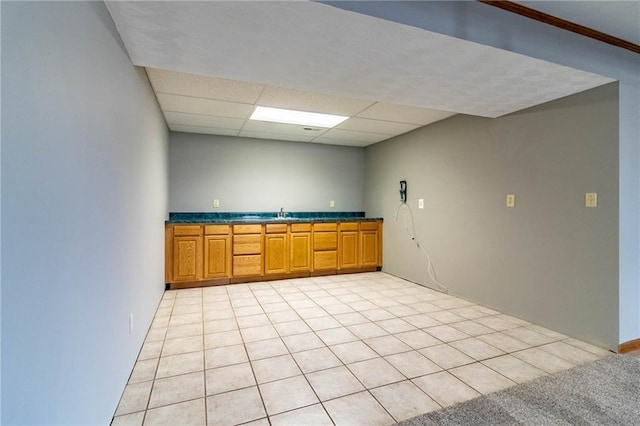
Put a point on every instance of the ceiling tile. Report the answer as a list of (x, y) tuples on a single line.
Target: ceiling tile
[(179, 83), (275, 136), (203, 130), (403, 113), (284, 129), (203, 120), (349, 135), (341, 142), (376, 126), (188, 104), (279, 97)]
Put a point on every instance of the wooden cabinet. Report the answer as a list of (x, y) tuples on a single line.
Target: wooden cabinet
[(217, 252), (348, 245), (325, 246), (369, 244), (247, 250), (300, 247), (187, 253), (275, 249)]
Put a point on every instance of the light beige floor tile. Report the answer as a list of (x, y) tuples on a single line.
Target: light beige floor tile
[(189, 413), (445, 388), (166, 303), (187, 309), (469, 312), (514, 320), (150, 350), (210, 314), (143, 371), (227, 355), (451, 303), (412, 364), (322, 323), (402, 310), (404, 400), (446, 317), (156, 334), (472, 328), (266, 349), (395, 325), (163, 312), (134, 398), (217, 326), (446, 333), (514, 368), (253, 321), (221, 339), (312, 415), (245, 301), (253, 334), (270, 299), (177, 389), (421, 321), (270, 308), (180, 364), (231, 377), (291, 328), (476, 348), (425, 307), (338, 308), (316, 359), (481, 378), (529, 336), (133, 419), (553, 334), (187, 330), (161, 322), (235, 407), (417, 339), (498, 324), (217, 306), (367, 330), (387, 345), (184, 319), (569, 352), (503, 342), (375, 372), (351, 318), (302, 342), (301, 303), (312, 312), (347, 298), (377, 314), (283, 316), (334, 336), (362, 305), (601, 352), (276, 368), (333, 383), (446, 356), (182, 345), (543, 360), (357, 409), (353, 352), (287, 394), (248, 310)]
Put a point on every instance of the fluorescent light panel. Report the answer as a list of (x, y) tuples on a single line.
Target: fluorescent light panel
[(289, 116)]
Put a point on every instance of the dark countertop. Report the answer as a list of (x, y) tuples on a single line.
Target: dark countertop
[(267, 217)]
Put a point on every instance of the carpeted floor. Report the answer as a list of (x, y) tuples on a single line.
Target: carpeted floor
[(605, 392)]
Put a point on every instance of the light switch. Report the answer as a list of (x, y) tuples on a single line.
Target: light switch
[(332, 203), (511, 200), (591, 199), (216, 204), (421, 203)]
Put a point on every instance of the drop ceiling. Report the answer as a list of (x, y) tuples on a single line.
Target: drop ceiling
[(210, 63)]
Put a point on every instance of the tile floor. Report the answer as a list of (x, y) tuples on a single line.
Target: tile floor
[(366, 349)]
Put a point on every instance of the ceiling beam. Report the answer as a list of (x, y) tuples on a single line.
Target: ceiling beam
[(562, 23)]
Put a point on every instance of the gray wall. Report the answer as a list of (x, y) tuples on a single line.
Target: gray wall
[(494, 27), (549, 260), (262, 175), (84, 197)]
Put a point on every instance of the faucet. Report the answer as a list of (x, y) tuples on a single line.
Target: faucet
[(281, 213)]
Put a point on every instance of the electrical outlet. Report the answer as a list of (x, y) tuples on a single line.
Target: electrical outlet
[(216, 204), (421, 203), (591, 199), (130, 323), (511, 200), (332, 203)]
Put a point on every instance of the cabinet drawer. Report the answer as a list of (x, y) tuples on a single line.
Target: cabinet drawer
[(247, 229), (325, 240), (349, 226), (247, 265), (276, 228), (182, 230), (300, 227), (216, 229), (325, 260), (369, 226), (325, 226), (247, 244)]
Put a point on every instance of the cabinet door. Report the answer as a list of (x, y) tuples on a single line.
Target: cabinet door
[(217, 256), (300, 260), (275, 254), (187, 258), (348, 250), (368, 248)]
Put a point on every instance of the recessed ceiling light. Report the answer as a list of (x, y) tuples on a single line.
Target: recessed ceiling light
[(289, 116)]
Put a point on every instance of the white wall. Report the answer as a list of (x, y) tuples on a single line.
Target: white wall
[(549, 260), (488, 25), (84, 197), (262, 175)]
